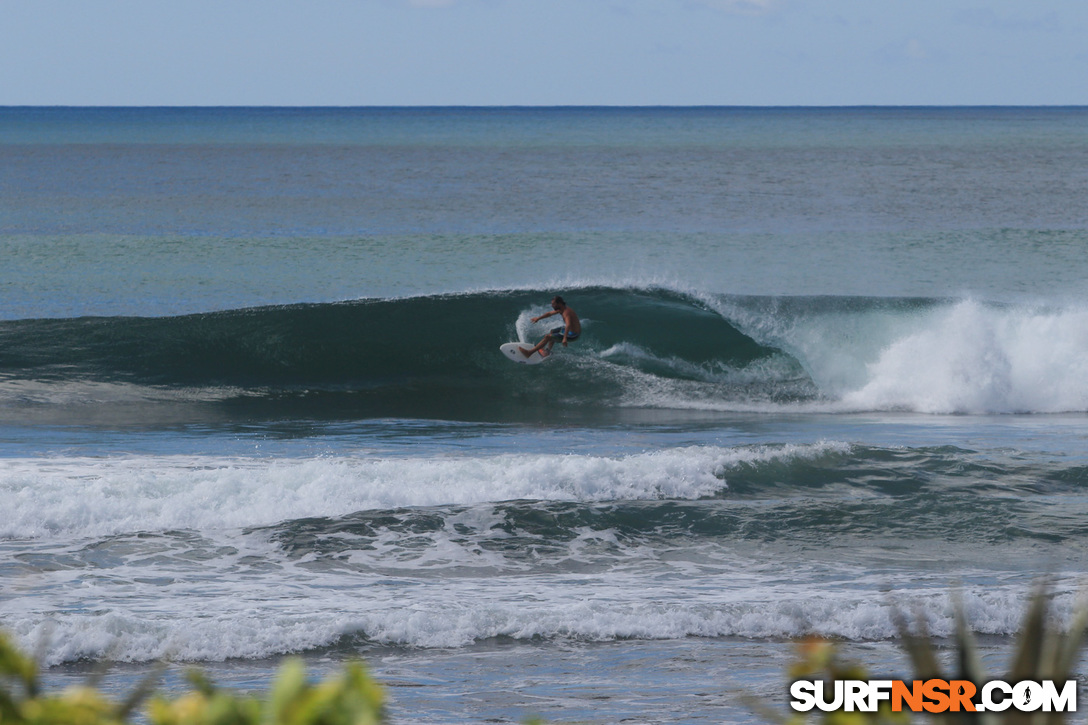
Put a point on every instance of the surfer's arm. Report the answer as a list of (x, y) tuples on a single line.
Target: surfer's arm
[(546, 314)]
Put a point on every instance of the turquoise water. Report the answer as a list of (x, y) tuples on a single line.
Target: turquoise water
[(251, 402)]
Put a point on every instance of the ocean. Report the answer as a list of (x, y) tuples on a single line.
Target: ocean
[(834, 361)]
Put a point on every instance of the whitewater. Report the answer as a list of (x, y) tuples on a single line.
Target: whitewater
[(252, 404)]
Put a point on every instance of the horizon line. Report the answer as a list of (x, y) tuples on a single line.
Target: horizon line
[(860, 106)]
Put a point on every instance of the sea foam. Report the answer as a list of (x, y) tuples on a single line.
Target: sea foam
[(104, 496), (926, 356), (452, 614), (973, 358)]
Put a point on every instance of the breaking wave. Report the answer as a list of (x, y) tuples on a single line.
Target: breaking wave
[(435, 356)]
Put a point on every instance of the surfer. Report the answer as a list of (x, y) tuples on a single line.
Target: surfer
[(569, 332)]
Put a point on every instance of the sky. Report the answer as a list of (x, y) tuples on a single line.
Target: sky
[(543, 52)]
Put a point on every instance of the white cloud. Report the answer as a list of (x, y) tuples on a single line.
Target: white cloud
[(746, 7), (915, 49), (988, 19), (912, 50)]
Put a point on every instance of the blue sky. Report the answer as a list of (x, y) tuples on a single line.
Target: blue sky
[(543, 52)]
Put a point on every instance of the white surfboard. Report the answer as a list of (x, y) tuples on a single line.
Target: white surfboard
[(510, 350)]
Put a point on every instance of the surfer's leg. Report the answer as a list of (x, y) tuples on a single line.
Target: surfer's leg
[(527, 352), (549, 340)]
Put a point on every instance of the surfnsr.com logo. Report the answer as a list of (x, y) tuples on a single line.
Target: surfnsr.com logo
[(934, 695)]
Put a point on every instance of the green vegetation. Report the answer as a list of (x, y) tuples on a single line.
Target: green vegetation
[(1044, 651), (348, 698)]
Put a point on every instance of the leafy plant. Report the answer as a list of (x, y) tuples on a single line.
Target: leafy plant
[(1043, 651), (819, 658), (350, 697)]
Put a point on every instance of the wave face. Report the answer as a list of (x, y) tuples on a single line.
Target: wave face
[(436, 357), (430, 356)]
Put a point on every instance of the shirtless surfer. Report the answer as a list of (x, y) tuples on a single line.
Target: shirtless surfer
[(569, 332)]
